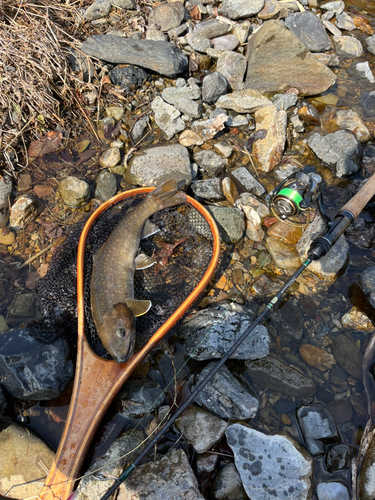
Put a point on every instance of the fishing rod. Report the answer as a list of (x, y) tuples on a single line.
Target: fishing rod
[(318, 248)]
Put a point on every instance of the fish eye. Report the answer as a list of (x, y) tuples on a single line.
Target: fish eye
[(121, 332)]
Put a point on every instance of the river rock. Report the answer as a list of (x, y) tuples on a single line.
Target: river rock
[(347, 355), (318, 428), (270, 466), (189, 138), (335, 118), (208, 189), (139, 129), (287, 234), (167, 16), (200, 428), (226, 42), (271, 372), (239, 9), (227, 485), (224, 149), (247, 200), (140, 396), (284, 101), (357, 320), (310, 30), (214, 85), (241, 31), (245, 101), (225, 396), (370, 42), (23, 305), (332, 491), (232, 65), (368, 103), (209, 161), (212, 28), (163, 57), (337, 6), (329, 266), (268, 151), (127, 77), (283, 255), (147, 167), (316, 357), (339, 457), (170, 478), (79, 62), (345, 22), (209, 333), (167, 117), (99, 9), (74, 192), (6, 187), (121, 452), (230, 222), (367, 280), (340, 150), (273, 8), (274, 50), (248, 181), (24, 460), (347, 46), (110, 158), (173, 95), (361, 69), (25, 209), (198, 42)]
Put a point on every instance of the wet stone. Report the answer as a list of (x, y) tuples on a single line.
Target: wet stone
[(127, 76), (25, 459), (212, 28), (147, 167), (284, 233), (347, 46), (264, 286), (214, 85), (366, 485), (357, 320), (335, 118), (23, 211), (271, 372), (270, 466), (233, 66), (316, 357), (332, 491), (167, 16), (309, 114), (368, 103), (208, 189), (363, 70), (139, 396), (339, 457), (248, 181), (200, 428), (318, 428), (98, 9), (245, 101), (110, 158), (283, 255), (230, 222), (347, 355), (239, 9), (167, 117), (24, 305), (310, 30), (74, 192), (340, 410), (205, 468), (225, 396), (121, 452), (227, 485), (219, 327), (6, 187), (367, 280), (32, 369), (340, 150), (209, 161), (170, 478)]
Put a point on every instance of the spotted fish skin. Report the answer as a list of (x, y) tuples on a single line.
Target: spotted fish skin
[(112, 280)]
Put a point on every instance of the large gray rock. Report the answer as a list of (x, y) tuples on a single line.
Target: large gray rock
[(361, 69), (347, 46), (214, 85), (167, 117), (278, 60), (271, 372), (170, 478), (340, 150), (368, 283), (140, 396), (270, 466), (151, 164), (310, 30), (233, 66), (225, 396), (318, 428), (219, 327), (163, 57), (167, 16), (32, 367), (238, 9), (347, 355), (230, 222)]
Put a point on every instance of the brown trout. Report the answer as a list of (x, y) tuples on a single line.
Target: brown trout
[(113, 306)]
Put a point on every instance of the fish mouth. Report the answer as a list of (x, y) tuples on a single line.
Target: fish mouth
[(121, 359)]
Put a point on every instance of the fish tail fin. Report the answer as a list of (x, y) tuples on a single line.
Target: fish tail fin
[(166, 195)]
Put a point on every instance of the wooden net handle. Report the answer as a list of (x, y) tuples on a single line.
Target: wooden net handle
[(360, 200)]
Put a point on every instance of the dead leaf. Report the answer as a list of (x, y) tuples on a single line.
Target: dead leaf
[(52, 229), (363, 24), (43, 190), (111, 132), (46, 144), (106, 79)]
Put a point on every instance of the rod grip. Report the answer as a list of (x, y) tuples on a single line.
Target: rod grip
[(360, 200)]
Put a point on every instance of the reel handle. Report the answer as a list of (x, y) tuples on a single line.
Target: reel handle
[(360, 200)]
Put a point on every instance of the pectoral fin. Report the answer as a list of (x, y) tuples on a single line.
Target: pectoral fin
[(138, 307), (149, 229), (143, 261)]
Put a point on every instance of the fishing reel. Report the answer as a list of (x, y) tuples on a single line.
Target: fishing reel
[(292, 199)]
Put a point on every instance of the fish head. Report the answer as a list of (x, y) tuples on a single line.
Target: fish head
[(121, 325)]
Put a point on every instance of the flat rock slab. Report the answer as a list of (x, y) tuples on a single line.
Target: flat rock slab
[(310, 30), (170, 478), (278, 60), (225, 396), (146, 168), (163, 57), (219, 327), (244, 101), (270, 466)]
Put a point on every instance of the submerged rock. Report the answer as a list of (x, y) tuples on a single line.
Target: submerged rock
[(219, 327), (318, 428), (335, 118), (283, 255), (355, 319), (270, 466), (278, 60), (339, 457), (225, 396), (332, 491), (347, 355), (368, 283)]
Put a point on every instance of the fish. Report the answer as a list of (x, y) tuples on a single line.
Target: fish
[(113, 306)]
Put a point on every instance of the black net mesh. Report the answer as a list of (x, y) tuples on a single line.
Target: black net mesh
[(166, 286)]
